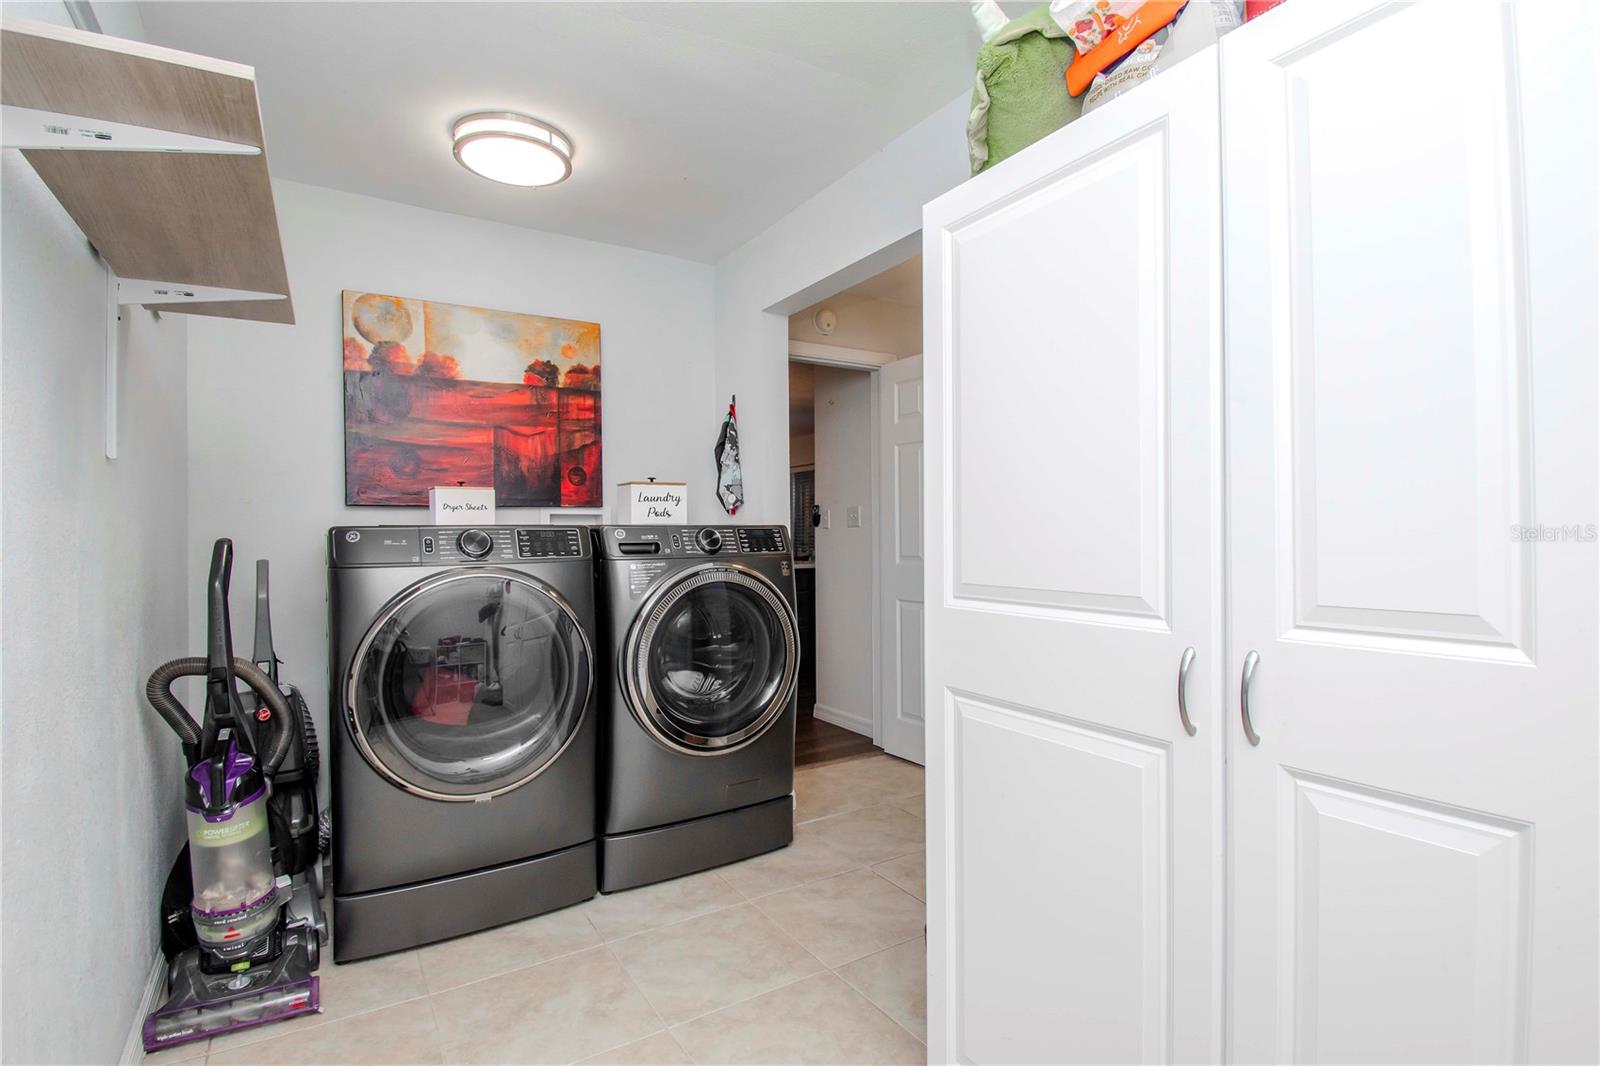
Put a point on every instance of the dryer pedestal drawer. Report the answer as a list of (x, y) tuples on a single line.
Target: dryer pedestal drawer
[(650, 855), (394, 919)]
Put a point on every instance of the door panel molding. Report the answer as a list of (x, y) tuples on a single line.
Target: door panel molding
[(1443, 262), (1097, 567), (1469, 982), (1129, 1007)]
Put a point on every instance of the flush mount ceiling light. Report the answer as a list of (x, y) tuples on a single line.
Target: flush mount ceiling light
[(513, 149)]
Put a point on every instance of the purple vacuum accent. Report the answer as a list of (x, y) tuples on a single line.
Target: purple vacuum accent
[(238, 764), (312, 1004)]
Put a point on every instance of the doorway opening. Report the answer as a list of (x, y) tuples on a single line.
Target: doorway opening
[(855, 420)]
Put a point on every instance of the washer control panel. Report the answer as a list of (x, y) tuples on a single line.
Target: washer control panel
[(454, 545), (762, 540), (690, 542)]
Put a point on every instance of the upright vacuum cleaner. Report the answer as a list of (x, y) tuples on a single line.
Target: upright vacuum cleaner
[(241, 921)]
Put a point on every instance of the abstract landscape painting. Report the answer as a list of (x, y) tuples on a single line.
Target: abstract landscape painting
[(440, 394)]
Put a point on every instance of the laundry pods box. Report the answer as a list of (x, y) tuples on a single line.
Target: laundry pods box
[(461, 505), (649, 503)]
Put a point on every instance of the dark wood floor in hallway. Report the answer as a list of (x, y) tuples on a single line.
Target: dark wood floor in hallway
[(816, 741)]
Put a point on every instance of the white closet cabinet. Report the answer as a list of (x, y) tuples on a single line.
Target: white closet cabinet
[(1074, 506), (1411, 354), (1399, 535)]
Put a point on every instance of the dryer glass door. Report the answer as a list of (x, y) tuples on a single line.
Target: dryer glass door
[(711, 660), (469, 684)]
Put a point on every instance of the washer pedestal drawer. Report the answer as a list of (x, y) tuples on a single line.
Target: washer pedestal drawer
[(629, 860), (394, 919)]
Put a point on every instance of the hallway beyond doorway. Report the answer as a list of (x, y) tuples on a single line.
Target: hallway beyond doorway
[(816, 741)]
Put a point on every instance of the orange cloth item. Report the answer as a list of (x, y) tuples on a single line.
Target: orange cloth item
[(1120, 41)]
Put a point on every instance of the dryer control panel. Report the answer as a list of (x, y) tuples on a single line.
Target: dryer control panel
[(454, 545), (690, 542)]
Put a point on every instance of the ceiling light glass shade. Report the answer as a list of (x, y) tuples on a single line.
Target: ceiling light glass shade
[(513, 149)]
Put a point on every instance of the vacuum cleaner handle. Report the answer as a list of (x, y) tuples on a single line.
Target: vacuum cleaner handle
[(265, 655), (158, 690), (223, 709)]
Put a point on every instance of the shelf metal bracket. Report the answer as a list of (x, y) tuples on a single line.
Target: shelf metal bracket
[(123, 291), (27, 128), (31, 129)]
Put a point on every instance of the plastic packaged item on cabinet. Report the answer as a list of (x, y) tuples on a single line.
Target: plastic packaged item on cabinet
[(1124, 38), (1128, 72), (1252, 8), (1087, 22), (1198, 26)]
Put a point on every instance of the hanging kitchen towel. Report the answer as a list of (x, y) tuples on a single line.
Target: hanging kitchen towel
[(1017, 96), (730, 481)]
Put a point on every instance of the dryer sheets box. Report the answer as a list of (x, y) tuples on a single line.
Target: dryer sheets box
[(461, 505)]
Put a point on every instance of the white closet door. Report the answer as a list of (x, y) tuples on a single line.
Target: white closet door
[(1072, 525), (900, 557), (1411, 346)]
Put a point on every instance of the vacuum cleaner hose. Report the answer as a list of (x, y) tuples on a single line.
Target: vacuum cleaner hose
[(158, 690)]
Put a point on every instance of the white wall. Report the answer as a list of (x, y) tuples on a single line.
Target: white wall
[(845, 614), (96, 592), (266, 402), (843, 235)]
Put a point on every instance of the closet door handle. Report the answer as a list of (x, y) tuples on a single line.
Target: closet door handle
[(1183, 687), (1249, 674)]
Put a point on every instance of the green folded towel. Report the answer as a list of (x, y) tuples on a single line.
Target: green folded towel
[(1020, 93)]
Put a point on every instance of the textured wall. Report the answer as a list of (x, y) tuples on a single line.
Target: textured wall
[(96, 592)]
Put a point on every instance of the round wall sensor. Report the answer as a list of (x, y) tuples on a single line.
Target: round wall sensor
[(825, 320)]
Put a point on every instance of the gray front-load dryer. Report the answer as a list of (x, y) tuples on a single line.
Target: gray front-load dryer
[(701, 653), (464, 730)]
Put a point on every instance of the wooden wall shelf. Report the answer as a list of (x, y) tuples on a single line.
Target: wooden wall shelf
[(201, 220)]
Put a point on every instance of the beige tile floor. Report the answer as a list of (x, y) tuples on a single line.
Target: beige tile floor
[(812, 954)]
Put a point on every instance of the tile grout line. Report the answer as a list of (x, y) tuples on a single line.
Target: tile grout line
[(822, 966), (628, 977), (892, 801), (875, 951), (438, 1034), (923, 1039), (809, 881), (676, 921), (826, 969), (747, 999)]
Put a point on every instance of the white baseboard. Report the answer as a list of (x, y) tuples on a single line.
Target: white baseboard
[(856, 723), (155, 984)]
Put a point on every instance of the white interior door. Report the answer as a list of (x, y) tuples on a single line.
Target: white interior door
[(1073, 544), (900, 730), (1411, 285)]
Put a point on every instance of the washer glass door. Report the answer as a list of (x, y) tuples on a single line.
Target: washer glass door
[(469, 684), (711, 661)]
